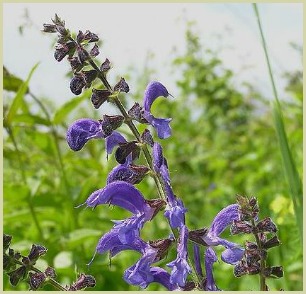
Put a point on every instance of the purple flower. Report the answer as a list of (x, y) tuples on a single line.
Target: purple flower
[(180, 266), (162, 125), (113, 140), (197, 259), (232, 254), (81, 131), (175, 210)]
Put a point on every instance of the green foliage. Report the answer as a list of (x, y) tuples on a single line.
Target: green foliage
[(223, 144)]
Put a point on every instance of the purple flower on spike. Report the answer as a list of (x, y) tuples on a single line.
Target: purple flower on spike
[(233, 252), (162, 125), (81, 131), (180, 266)]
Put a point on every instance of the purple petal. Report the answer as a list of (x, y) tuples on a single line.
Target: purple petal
[(139, 274), (137, 245), (210, 259), (121, 194), (232, 255), (158, 158), (197, 259), (120, 173), (81, 131), (180, 266), (223, 219), (113, 140), (153, 91), (162, 277), (161, 125), (175, 213)]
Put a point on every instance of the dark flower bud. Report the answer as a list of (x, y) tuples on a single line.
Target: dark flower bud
[(250, 245), (136, 112), (157, 204), (125, 149), (36, 280), (252, 257), (50, 272), (240, 269), (75, 63), (77, 84), (11, 252), (197, 236), (49, 28), (266, 225), (273, 272), (98, 97), (122, 86), (62, 30), (94, 51), (6, 262), (89, 76), (240, 227), (6, 241), (111, 123), (162, 247), (147, 138), (82, 53), (139, 172), (253, 202), (17, 275), (58, 21), (90, 37), (26, 261), (17, 255), (36, 252), (273, 242), (189, 286), (61, 50), (254, 269), (105, 66), (80, 37), (84, 281)]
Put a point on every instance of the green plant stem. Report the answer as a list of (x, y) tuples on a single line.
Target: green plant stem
[(157, 179), (50, 280), (263, 286)]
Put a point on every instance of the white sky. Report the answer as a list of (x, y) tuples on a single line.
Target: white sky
[(130, 31)]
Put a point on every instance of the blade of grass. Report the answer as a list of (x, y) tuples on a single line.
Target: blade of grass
[(291, 173)]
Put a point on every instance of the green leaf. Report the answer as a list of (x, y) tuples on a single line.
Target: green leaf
[(289, 166), (18, 99), (61, 114), (11, 82)]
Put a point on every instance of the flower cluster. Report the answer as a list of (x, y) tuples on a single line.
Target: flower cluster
[(120, 189)]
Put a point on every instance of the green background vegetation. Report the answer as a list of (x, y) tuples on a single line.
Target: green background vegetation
[(224, 143)]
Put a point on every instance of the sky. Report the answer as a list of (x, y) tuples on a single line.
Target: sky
[(132, 31)]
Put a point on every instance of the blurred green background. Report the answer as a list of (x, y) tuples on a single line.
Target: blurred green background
[(224, 143)]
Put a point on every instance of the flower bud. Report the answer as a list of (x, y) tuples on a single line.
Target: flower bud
[(89, 76), (17, 275), (36, 252), (136, 113), (240, 227), (250, 245), (273, 272), (90, 37), (61, 50), (162, 247), (254, 269), (58, 21), (111, 123), (273, 242), (189, 286), (77, 84), (122, 86), (84, 281), (36, 280), (98, 97), (62, 30), (266, 225), (147, 138), (94, 51), (50, 272), (240, 269), (75, 63), (157, 204), (80, 37), (49, 28), (105, 66), (6, 241), (125, 149), (197, 236), (82, 54)]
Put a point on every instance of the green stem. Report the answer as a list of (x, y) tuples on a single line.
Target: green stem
[(262, 279)]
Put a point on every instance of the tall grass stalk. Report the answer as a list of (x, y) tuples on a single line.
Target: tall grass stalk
[(290, 170)]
